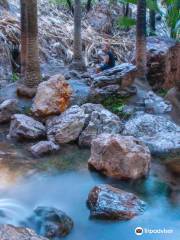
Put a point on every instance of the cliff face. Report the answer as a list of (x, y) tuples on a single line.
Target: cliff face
[(163, 62)]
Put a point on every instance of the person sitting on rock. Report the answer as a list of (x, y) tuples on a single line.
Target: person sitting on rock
[(107, 57)]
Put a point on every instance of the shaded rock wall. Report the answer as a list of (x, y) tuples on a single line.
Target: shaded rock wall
[(163, 62)]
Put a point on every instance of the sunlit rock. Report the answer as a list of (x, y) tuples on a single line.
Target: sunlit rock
[(53, 97), (9, 232), (66, 127), (99, 120), (50, 222), (157, 132), (107, 202), (119, 156), (24, 127)]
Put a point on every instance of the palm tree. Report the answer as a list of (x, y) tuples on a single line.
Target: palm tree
[(23, 38), (141, 58), (78, 61), (30, 65)]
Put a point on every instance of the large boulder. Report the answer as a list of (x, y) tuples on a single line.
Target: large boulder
[(157, 132), (115, 81), (107, 202), (24, 127), (53, 97), (66, 127), (9, 232), (119, 156), (7, 109), (123, 75), (50, 222), (99, 120), (163, 61), (44, 147)]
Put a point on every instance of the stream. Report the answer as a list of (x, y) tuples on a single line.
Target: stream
[(64, 181)]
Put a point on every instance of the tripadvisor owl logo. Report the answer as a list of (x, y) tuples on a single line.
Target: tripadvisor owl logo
[(139, 231)]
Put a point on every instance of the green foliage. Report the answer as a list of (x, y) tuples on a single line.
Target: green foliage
[(59, 2), (116, 105), (126, 22), (15, 77), (171, 15)]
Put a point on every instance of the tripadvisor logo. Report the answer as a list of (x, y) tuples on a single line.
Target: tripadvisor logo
[(139, 231)]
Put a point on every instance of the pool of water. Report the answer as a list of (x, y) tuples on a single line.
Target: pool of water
[(64, 181)]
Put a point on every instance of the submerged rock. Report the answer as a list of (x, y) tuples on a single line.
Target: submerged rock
[(157, 132), (25, 127), (9, 232), (66, 127), (99, 120), (7, 109), (44, 147), (53, 97), (119, 156), (107, 202), (50, 222)]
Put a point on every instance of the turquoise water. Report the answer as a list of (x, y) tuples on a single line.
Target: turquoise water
[(63, 181)]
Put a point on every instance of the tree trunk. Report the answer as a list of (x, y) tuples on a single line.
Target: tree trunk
[(141, 57), (24, 38), (152, 21), (33, 65), (78, 61), (30, 65)]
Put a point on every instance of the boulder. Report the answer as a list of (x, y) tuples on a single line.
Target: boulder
[(156, 104), (66, 127), (9, 232), (44, 147), (24, 127), (107, 202), (157, 132), (123, 75), (80, 92), (99, 120), (7, 109), (119, 156), (174, 165), (162, 62), (52, 97), (50, 222)]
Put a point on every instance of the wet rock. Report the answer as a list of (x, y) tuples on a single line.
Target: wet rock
[(7, 109), (123, 75), (107, 202), (66, 127), (163, 62), (156, 104), (9, 232), (25, 127), (173, 96), (53, 97), (174, 165), (120, 156), (99, 120), (44, 147), (158, 133), (50, 222)]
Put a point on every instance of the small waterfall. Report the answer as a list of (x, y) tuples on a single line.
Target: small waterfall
[(11, 211)]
